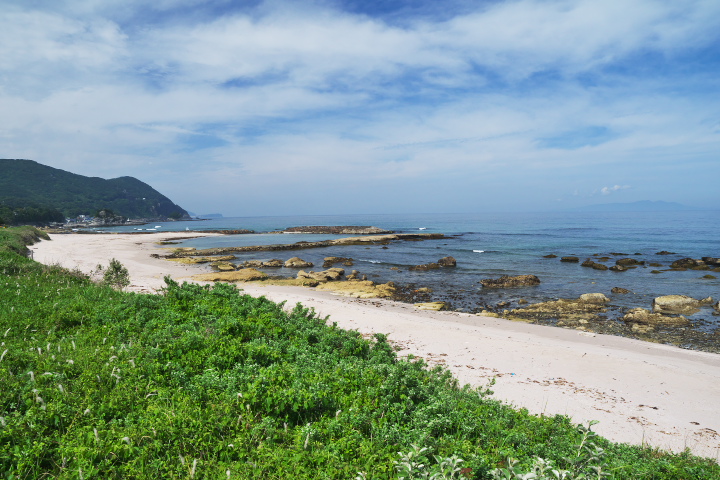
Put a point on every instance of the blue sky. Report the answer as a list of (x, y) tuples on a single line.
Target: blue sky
[(348, 106)]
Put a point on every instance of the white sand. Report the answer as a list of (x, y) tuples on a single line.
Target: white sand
[(642, 393)]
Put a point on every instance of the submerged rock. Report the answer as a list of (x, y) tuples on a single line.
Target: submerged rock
[(618, 268), (507, 281), (552, 255), (620, 290), (665, 252), (425, 267), (628, 262), (570, 259)]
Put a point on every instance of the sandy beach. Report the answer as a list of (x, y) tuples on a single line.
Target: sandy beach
[(640, 392)]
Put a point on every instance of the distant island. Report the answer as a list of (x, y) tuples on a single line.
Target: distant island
[(641, 206), (37, 194)]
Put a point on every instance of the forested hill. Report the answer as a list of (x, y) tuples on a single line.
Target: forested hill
[(26, 183)]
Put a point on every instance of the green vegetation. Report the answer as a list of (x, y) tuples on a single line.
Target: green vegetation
[(205, 382), (28, 214), (29, 188)]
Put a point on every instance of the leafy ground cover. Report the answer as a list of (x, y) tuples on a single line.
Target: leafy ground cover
[(206, 382)]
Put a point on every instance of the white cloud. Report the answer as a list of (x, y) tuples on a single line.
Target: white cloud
[(321, 94), (614, 188)]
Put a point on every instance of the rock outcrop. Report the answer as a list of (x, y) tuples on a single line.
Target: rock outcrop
[(628, 262), (620, 290), (645, 317), (678, 304), (331, 261), (511, 281), (296, 262), (597, 298), (242, 275), (569, 311), (329, 275), (570, 259), (688, 263), (359, 288), (447, 262), (338, 230), (435, 306)]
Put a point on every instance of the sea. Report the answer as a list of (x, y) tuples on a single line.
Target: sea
[(489, 245)]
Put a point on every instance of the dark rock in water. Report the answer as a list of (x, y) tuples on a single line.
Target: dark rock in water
[(507, 281), (709, 277), (550, 256), (655, 271), (665, 252), (655, 264), (447, 262), (626, 262), (620, 290), (618, 254), (570, 259), (330, 261), (503, 304), (296, 262), (599, 266), (425, 267), (687, 263), (618, 268), (711, 260), (274, 263), (587, 263)]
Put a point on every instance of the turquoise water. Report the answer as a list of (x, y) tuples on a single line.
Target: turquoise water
[(511, 244)]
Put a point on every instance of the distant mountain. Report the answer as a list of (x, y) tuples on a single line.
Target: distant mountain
[(642, 206), (28, 183)]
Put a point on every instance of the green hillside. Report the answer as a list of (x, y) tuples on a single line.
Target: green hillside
[(26, 183)]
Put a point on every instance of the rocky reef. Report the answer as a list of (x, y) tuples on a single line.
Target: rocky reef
[(338, 230)]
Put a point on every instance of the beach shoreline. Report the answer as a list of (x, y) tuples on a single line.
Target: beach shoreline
[(642, 393)]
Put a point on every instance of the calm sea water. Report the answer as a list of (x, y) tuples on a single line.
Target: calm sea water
[(488, 245)]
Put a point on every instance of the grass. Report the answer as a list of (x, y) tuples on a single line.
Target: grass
[(206, 382)]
